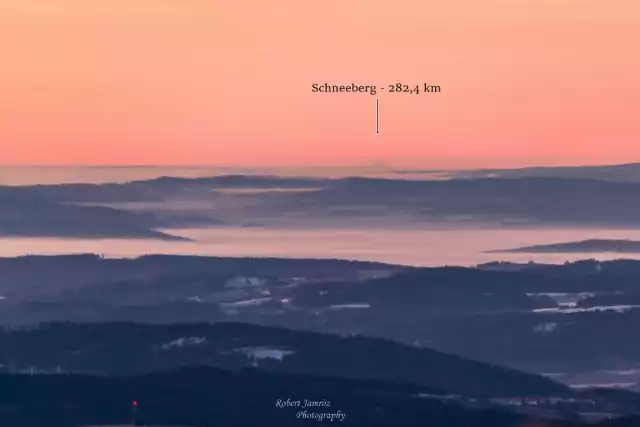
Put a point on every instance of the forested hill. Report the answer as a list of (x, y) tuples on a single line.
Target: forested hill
[(129, 348)]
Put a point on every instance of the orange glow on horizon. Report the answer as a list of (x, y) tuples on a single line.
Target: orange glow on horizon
[(524, 82)]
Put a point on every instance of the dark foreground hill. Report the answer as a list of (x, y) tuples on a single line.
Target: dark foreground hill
[(214, 398), (129, 348)]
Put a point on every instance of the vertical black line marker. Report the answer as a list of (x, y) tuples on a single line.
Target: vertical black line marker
[(377, 116)]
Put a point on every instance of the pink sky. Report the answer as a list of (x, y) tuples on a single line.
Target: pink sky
[(228, 82)]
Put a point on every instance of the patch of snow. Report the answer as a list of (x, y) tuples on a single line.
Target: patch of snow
[(567, 300), (545, 328), (185, 341), (2, 298), (246, 303), (625, 372), (265, 353), (616, 308), (342, 306), (230, 295), (601, 385), (244, 282), (547, 294), (583, 295)]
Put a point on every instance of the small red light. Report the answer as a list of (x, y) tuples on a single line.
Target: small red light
[(135, 403)]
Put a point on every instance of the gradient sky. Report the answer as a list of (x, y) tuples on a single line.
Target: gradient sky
[(228, 82)]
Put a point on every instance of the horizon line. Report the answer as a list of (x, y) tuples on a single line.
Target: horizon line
[(368, 166)]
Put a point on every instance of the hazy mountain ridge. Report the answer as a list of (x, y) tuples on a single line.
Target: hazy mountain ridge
[(237, 199), (629, 172), (27, 276), (583, 246), (33, 217)]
